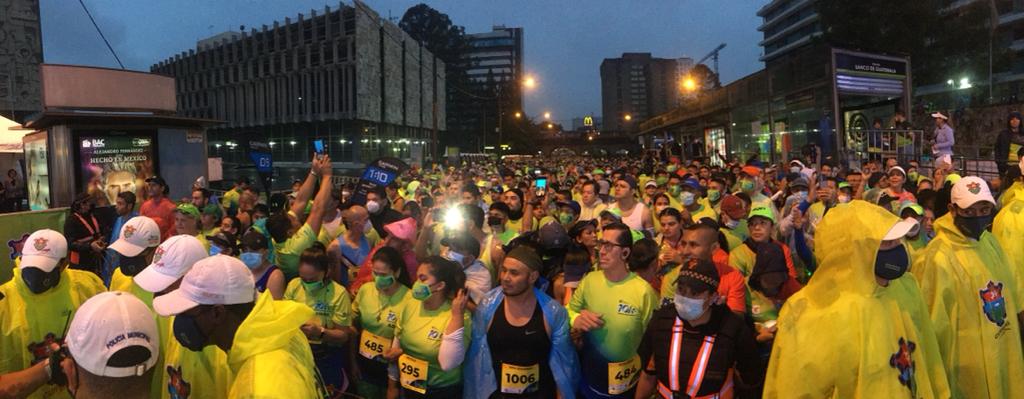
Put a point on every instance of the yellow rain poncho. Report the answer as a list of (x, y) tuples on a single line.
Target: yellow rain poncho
[(270, 357), (30, 322), (187, 374), (1008, 229), (1014, 192), (846, 336), (974, 299)]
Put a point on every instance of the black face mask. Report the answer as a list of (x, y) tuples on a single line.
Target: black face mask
[(188, 333), (493, 221), (972, 226), (892, 263), (39, 281), (771, 292), (515, 214), (132, 265)]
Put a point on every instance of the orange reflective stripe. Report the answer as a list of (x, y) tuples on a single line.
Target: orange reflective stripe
[(664, 391), (567, 297), (673, 355), (700, 366)]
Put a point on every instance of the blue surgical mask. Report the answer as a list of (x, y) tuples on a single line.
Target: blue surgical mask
[(455, 257), (252, 260), (215, 250), (260, 224), (732, 224), (687, 198), (689, 309)]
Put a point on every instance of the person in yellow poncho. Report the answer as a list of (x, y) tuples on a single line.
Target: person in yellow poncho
[(36, 306), (859, 329), (132, 253), (267, 353), (974, 297)]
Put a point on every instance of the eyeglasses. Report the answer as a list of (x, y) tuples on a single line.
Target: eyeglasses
[(605, 244)]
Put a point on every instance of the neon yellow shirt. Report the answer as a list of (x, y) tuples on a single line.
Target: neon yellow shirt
[(625, 306), (287, 253), (120, 282), (742, 259), (705, 211), (419, 331), (331, 304), (378, 315), (198, 375), (735, 237)]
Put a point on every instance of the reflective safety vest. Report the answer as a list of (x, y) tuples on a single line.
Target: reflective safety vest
[(700, 365)]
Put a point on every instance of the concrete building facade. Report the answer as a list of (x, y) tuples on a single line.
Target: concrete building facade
[(21, 52), (639, 86), (345, 76)]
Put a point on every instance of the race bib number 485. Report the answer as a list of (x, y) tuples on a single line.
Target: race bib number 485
[(372, 346)]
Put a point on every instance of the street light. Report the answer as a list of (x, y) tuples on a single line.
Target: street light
[(547, 115), (519, 115), (529, 82), (550, 126), (689, 84), (628, 117)]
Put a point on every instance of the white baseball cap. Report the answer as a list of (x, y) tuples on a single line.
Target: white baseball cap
[(43, 250), (114, 334), (217, 280), (172, 260), (138, 233), (903, 172), (969, 190), (940, 116), (901, 229)]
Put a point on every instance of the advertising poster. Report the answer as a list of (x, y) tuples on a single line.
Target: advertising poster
[(37, 173), (111, 162)]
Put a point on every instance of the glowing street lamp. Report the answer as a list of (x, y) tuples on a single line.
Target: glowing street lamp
[(519, 115), (628, 117), (529, 82), (689, 84), (547, 115)]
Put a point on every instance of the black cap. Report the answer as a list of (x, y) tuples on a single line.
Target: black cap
[(223, 239), (553, 235), (156, 179), (698, 272), (253, 239)]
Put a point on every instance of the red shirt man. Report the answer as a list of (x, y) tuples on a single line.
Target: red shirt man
[(158, 207)]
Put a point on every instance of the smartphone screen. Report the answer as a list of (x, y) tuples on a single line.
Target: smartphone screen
[(318, 146), (541, 183)]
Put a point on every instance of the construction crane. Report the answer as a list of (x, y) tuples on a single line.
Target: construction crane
[(713, 54)]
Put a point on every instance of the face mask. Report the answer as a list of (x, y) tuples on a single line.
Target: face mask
[(39, 281), (455, 257), (420, 290), (844, 199), (972, 226), (188, 334), (799, 196), (493, 221), (214, 250), (252, 260), (383, 282), (747, 186), (714, 195), (367, 227), (661, 180), (565, 218), (373, 207), (130, 266), (794, 169), (312, 285), (732, 224), (260, 224), (688, 309), (912, 176), (687, 198), (890, 264)]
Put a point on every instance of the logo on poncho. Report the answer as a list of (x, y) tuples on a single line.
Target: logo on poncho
[(904, 363), (42, 350), (176, 384), (16, 246), (993, 303)]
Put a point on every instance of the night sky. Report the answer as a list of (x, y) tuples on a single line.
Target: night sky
[(565, 41)]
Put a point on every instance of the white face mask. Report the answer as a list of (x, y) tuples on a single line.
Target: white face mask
[(372, 206), (794, 169), (732, 224), (844, 199), (367, 226), (689, 309)]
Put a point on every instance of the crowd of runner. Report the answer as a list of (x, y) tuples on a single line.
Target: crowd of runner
[(533, 278)]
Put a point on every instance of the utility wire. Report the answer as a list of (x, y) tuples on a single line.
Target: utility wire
[(82, 2)]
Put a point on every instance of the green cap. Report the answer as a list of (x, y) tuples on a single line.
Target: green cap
[(911, 205), (763, 212), (597, 172), (843, 185), (212, 209), (952, 178), (637, 236), (186, 208)]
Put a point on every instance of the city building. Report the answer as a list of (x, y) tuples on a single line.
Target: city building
[(788, 25), (635, 87), (493, 65), (345, 76), (21, 52)]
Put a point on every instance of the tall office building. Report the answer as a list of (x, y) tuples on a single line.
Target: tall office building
[(788, 25), (21, 52), (345, 76), (639, 86), (494, 67)]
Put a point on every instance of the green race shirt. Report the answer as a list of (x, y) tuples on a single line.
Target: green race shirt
[(331, 304), (419, 331), (625, 306), (288, 252), (742, 259), (377, 313)]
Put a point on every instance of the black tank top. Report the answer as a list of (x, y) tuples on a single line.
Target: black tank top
[(521, 346)]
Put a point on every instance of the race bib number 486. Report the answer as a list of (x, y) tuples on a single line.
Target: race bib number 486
[(622, 376)]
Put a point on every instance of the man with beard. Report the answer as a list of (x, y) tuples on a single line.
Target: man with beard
[(520, 217), (521, 346)]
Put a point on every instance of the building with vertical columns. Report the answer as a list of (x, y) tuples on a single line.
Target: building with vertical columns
[(346, 76), (21, 52)]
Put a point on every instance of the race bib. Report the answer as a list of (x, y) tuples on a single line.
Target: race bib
[(373, 346), (412, 373), (622, 376), (519, 379)]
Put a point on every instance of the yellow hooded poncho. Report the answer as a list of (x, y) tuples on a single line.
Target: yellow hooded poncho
[(974, 299), (846, 336)]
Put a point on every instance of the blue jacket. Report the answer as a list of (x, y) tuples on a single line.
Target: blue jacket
[(478, 370)]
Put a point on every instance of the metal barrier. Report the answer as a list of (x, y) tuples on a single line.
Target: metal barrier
[(878, 145)]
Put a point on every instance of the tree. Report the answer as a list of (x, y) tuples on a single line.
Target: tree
[(939, 43), (704, 77), (436, 31)]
